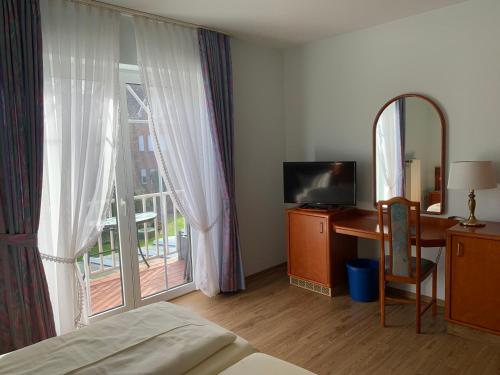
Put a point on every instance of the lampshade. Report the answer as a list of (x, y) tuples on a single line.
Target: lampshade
[(467, 175)]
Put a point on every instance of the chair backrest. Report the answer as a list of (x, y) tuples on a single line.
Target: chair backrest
[(398, 212)]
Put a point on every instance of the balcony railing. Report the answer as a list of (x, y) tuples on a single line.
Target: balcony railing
[(158, 238)]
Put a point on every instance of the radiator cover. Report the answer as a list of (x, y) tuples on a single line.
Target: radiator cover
[(310, 285)]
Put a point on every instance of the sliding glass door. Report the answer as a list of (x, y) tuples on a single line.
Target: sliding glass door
[(144, 252)]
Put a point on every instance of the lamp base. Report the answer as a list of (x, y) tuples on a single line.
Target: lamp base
[(472, 221), (473, 224)]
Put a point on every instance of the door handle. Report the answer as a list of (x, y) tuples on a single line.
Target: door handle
[(460, 249), (321, 229)]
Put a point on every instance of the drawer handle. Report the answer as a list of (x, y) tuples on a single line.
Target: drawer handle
[(460, 249), (320, 227)]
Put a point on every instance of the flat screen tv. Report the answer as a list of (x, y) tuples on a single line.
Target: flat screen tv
[(331, 183)]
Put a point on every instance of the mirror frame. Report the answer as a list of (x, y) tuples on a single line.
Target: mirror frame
[(443, 148)]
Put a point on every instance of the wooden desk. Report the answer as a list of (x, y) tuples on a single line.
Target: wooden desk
[(320, 242), (364, 224)]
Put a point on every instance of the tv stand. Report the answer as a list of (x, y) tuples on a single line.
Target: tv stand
[(321, 207), (316, 254)]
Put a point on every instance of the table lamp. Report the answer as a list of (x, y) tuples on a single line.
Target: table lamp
[(472, 175)]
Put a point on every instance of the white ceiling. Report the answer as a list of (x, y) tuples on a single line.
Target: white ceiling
[(284, 22)]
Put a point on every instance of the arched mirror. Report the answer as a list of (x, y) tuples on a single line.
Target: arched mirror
[(409, 152)]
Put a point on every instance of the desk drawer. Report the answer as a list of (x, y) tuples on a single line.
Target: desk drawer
[(475, 281)]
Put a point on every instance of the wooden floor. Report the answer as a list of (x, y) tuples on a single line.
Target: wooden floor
[(106, 291), (339, 336)]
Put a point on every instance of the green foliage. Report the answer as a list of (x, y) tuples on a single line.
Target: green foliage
[(106, 237)]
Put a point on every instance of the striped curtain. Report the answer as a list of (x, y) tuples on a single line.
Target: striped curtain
[(25, 309), (401, 143), (215, 54)]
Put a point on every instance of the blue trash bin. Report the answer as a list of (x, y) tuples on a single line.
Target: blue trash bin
[(363, 279)]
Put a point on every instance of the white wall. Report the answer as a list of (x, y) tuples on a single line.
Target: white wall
[(259, 153), (334, 88)]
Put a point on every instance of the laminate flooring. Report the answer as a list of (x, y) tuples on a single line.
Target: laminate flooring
[(339, 336)]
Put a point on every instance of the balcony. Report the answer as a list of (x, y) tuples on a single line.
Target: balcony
[(163, 253)]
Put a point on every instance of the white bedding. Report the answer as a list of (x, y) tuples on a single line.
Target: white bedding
[(260, 363), (157, 339), (436, 207), (224, 358)]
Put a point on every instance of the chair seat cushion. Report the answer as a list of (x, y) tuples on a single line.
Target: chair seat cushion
[(425, 265)]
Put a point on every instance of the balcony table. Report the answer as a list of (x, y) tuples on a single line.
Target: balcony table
[(140, 218)]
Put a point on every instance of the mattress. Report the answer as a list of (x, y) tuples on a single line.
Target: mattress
[(157, 339)]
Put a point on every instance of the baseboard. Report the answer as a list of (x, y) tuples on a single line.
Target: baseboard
[(265, 272), (411, 295)]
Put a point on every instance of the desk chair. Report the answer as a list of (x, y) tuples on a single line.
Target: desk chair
[(399, 265)]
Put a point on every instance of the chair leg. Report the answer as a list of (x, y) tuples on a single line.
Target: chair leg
[(418, 305), (434, 291), (382, 302)]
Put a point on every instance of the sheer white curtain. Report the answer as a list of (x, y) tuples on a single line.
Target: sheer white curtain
[(390, 174), (170, 67), (80, 61)]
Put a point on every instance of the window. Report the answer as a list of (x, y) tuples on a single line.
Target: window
[(144, 177), (150, 143), (141, 143)]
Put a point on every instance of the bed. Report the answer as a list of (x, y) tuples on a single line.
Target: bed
[(161, 338)]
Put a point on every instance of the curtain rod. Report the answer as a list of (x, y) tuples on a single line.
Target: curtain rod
[(133, 12)]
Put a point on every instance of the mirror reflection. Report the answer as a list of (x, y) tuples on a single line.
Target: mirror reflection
[(408, 153)]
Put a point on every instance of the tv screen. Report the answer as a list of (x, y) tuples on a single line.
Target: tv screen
[(320, 183)]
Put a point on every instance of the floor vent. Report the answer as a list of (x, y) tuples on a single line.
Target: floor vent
[(311, 286)]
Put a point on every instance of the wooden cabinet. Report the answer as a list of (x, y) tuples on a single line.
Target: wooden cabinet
[(315, 253), (473, 277), (308, 249)]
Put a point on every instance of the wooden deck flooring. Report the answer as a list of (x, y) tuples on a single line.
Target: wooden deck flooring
[(106, 291), (338, 336)]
